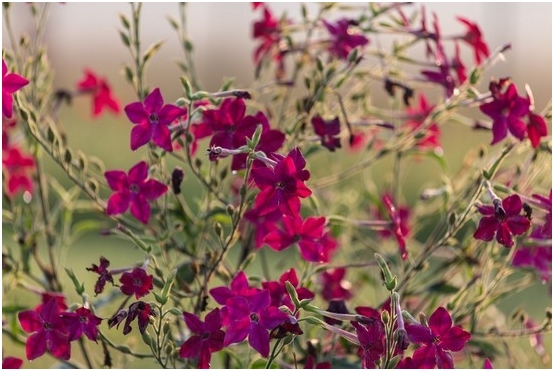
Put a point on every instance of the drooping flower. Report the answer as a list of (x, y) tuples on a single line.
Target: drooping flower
[(504, 219), (370, 336), (252, 317), (102, 97), (283, 186), (400, 227), (431, 136), (474, 38), (80, 322), (437, 339), (48, 332), (11, 82), (103, 272), (208, 337), (137, 282), (151, 119), (134, 191), (507, 111), (536, 256), (536, 128), (328, 131), (139, 310), (334, 285), (344, 37), (268, 31), (17, 166)]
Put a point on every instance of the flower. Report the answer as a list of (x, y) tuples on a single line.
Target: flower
[(102, 97), (80, 322), (151, 120), (327, 131), (139, 310), (334, 286), (487, 364), (431, 136), (400, 226), (310, 364), (474, 38), (344, 37), (545, 203), (283, 186), (11, 83), (437, 338), (536, 255), (278, 291), (503, 219), (133, 190), (536, 128), (252, 317), (102, 271), (268, 31), (49, 332), (370, 336), (506, 110), (11, 363), (17, 168), (137, 282), (207, 339), (239, 287)]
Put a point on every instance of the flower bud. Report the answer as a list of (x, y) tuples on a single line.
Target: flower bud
[(176, 179)]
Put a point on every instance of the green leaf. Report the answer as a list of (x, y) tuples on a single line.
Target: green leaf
[(125, 38), (79, 287)]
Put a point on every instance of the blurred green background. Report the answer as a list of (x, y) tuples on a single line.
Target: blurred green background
[(80, 35)]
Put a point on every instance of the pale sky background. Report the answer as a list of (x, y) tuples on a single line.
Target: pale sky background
[(83, 35)]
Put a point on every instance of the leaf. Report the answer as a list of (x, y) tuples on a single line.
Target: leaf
[(149, 53)]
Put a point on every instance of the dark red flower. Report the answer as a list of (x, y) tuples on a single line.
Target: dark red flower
[(103, 272), (48, 332), (207, 339), (263, 224), (252, 317), (436, 340), (46, 296), (17, 168), (279, 294), (328, 131), (11, 83), (137, 282), (400, 227), (344, 37), (474, 38), (283, 186), (536, 128), (151, 119), (11, 363), (334, 286), (101, 93), (536, 256), (139, 310), (504, 219), (80, 322), (133, 190), (370, 336), (310, 364), (268, 30), (506, 110), (545, 203)]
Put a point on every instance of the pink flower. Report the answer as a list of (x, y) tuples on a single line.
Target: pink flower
[(344, 37), (334, 286), (431, 137), (207, 339), (137, 282), (102, 97), (436, 340), (11, 83), (474, 38), (151, 119), (17, 168), (80, 322), (503, 219), (506, 110), (239, 287), (133, 190), (328, 131), (48, 330)]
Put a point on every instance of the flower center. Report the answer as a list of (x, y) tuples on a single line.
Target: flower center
[(47, 326), (134, 188), (254, 317), (280, 184), (83, 319), (499, 211), (154, 118), (137, 282)]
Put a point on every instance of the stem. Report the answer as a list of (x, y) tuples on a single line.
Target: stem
[(85, 353)]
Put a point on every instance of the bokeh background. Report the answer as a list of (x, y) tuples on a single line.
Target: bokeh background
[(85, 35)]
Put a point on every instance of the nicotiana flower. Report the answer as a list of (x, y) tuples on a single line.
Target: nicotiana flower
[(431, 136), (11, 82), (334, 286), (400, 227), (238, 287), (474, 38), (104, 274), (139, 310), (133, 190), (279, 294), (11, 363), (328, 131), (48, 332), (370, 336), (208, 337), (80, 322), (344, 37), (536, 128), (436, 340), (535, 255), (151, 119), (136, 282), (17, 167), (102, 97), (268, 31), (504, 219)]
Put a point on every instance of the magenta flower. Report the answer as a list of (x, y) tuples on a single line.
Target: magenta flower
[(239, 287), (503, 219), (268, 31), (103, 272), (431, 137), (474, 38), (137, 282), (328, 131), (506, 110), (279, 294), (133, 190), (11, 363), (370, 336), (400, 228), (152, 119), (487, 364), (344, 37), (17, 168), (436, 340), (102, 97), (263, 224), (252, 317), (283, 186), (536, 128), (535, 256), (207, 339), (58, 298), (80, 322), (48, 330), (545, 203), (11, 83), (334, 286)]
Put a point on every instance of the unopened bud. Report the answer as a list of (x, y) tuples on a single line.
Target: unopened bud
[(177, 177)]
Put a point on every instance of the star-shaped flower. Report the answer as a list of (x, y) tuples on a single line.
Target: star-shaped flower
[(11, 82)]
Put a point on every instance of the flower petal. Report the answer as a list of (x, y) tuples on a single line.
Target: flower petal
[(140, 135)]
